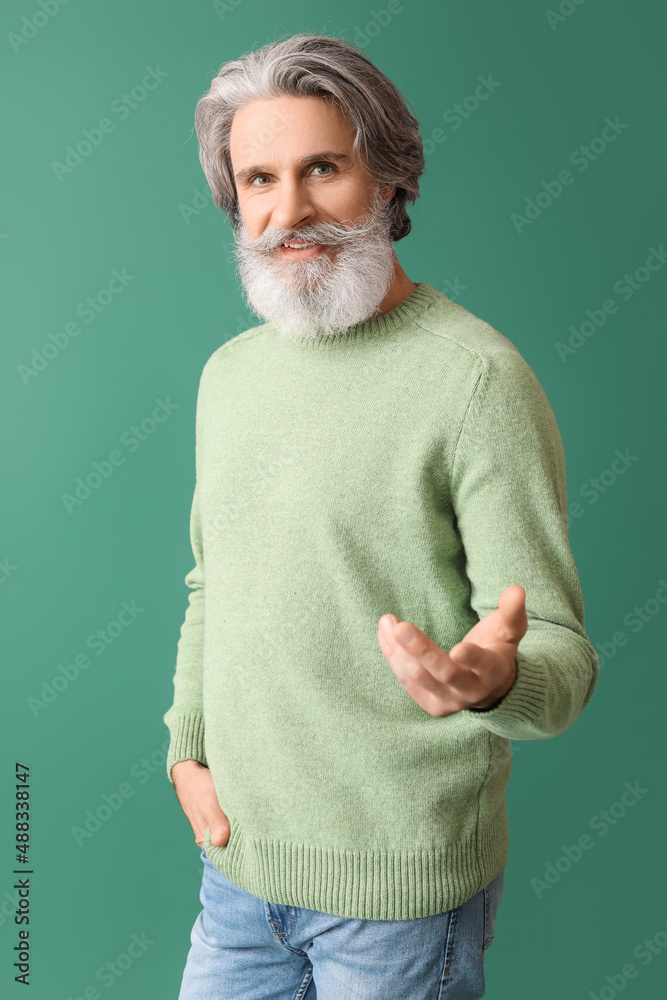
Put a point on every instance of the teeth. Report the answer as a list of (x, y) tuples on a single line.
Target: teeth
[(299, 246)]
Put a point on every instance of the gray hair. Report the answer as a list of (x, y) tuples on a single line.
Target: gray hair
[(387, 134)]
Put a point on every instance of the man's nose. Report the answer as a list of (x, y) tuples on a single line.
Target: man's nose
[(293, 206)]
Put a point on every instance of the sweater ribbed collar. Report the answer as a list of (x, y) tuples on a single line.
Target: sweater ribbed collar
[(377, 326)]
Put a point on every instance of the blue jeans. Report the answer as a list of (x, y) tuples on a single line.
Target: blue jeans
[(244, 948)]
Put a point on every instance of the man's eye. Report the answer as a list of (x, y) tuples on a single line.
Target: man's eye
[(327, 166)]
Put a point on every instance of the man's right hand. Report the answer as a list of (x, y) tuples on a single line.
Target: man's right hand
[(196, 793)]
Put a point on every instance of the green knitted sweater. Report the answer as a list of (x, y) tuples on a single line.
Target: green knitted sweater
[(411, 465)]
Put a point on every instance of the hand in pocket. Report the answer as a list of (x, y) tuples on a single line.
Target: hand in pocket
[(196, 793)]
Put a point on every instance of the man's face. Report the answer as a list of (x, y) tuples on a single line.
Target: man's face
[(297, 180)]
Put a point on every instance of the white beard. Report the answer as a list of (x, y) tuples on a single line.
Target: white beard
[(337, 289)]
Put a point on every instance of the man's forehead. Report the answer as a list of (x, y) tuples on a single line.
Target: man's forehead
[(289, 108), (265, 135), (268, 123)]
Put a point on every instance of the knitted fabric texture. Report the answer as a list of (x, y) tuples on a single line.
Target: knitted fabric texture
[(411, 465)]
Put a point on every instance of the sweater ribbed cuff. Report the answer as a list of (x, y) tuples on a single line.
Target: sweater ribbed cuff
[(187, 738), (521, 715)]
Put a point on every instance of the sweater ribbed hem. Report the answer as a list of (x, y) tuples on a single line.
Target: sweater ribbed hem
[(365, 885), (395, 320), (187, 738)]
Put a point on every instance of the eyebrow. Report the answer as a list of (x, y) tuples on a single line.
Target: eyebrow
[(327, 154)]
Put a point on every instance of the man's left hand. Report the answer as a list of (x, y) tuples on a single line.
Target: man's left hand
[(476, 673)]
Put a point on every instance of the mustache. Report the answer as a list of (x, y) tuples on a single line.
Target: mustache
[(327, 233), (273, 237)]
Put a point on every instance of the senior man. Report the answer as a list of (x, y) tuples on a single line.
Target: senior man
[(383, 593)]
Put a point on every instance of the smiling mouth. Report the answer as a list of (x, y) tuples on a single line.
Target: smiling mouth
[(305, 250)]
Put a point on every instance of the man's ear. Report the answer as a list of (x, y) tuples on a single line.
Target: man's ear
[(388, 191)]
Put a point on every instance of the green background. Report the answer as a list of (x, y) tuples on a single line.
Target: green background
[(65, 574)]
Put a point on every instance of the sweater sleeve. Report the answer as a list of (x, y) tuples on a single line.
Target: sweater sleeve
[(185, 718), (510, 503)]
